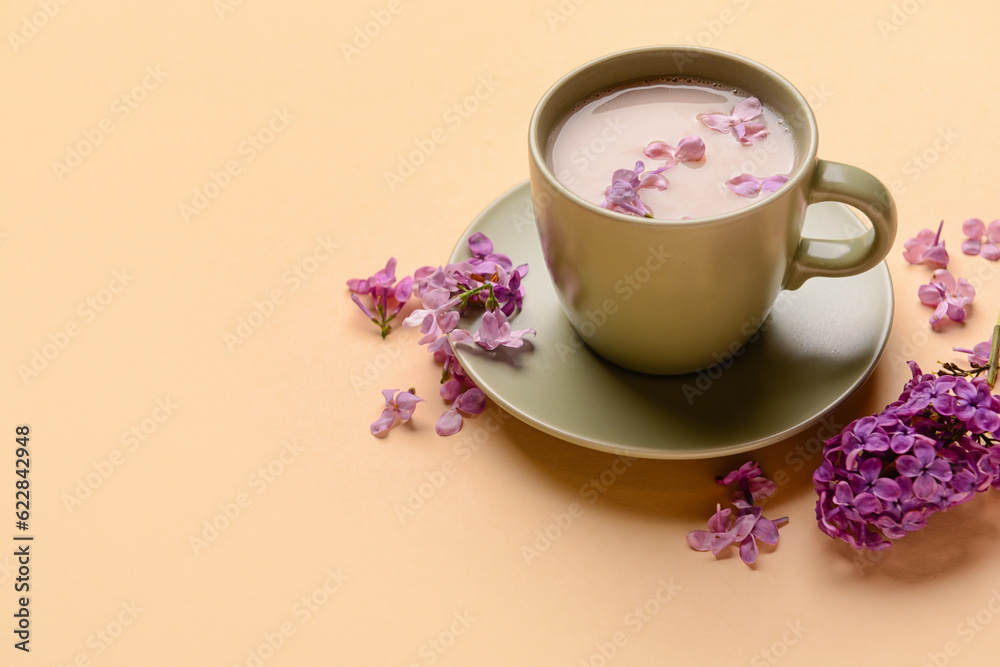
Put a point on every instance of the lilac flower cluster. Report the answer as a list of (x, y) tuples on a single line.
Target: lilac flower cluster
[(623, 194), (748, 526), (884, 475), (487, 279)]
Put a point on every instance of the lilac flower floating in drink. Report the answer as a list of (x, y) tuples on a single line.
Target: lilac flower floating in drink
[(927, 247), (947, 296), (623, 193), (739, 122), (689, 149), (748, 185), (982, 239)]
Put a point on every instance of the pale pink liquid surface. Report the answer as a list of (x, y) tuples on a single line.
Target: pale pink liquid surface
[(610, 131)]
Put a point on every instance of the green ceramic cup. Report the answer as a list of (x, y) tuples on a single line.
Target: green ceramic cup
[(708, 283)]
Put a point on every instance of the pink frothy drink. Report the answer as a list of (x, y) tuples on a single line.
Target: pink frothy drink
[(611, 129)]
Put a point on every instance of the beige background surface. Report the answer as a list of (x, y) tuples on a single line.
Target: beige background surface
[(319, 561)]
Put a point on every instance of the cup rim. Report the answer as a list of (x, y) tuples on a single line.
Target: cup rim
[(537, 147)]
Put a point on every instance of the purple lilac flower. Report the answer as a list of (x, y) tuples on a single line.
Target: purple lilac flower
[(926, 247), (488, 279), (388, 297), (436, 317), (494, 331), (979, 355), (948, 297), (938, 456), (753, 486), (749, 527), (982, 239), (399, 407), (717, 537), (738, 122), (623, 193)]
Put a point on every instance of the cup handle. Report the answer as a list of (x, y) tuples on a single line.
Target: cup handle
[(834, 181)]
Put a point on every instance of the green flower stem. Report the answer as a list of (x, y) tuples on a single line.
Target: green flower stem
[(991, 376)]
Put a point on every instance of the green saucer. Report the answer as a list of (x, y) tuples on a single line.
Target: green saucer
[(820, 343)]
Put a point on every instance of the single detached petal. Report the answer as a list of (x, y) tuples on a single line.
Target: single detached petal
[(719, 122), (993, 231), (974, 228), (929, 295), (971, 246), (690, 149), (472, 402), (652, 180), (448, 423), (384, 422), (748, 550), (766, 531), (750, 133), (745, 185), (659, 150), (699, 540), (480, 244), (747, 109), (990, 251), (772, 183)]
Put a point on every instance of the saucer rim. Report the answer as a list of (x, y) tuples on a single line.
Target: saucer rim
[(465, 356)]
